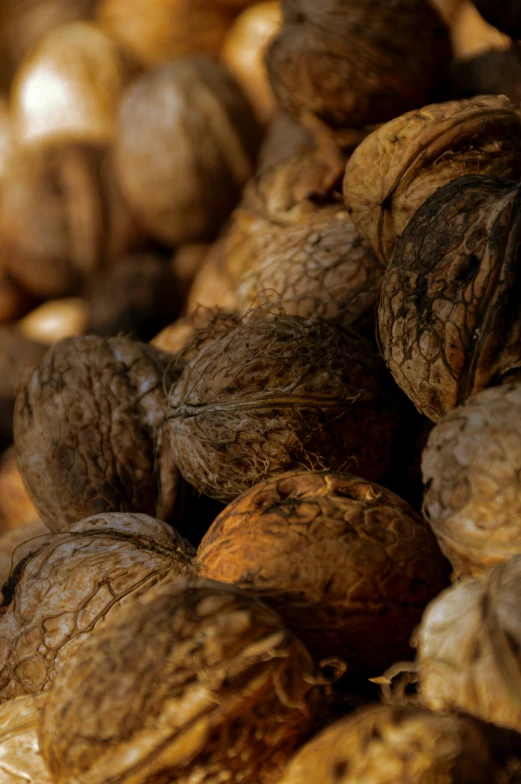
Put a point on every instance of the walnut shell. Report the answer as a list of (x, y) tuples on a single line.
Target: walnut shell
[(195, 683), (334, 59), (20, 757), (471, 468), (285, 137), (468, 648), (185, 192), (381, 744), (74, 581), (19, 542), (449, 319), (88, 431), (347, 564), (420, 152), (212, 286), (279, 393)]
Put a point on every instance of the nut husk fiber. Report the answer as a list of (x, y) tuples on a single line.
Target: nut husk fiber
[(449, 316), (278, 393)]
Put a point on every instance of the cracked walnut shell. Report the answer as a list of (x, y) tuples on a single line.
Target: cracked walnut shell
[(471, 469), (395, 169), (278, 393), (74, 581), (347, 564), (449, 317), (353, 64), (88, 431), (385, 745), (199, 682)]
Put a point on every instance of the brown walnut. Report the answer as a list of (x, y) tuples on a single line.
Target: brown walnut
[(469, 646), (385, 745), (354, 64), (88, 431), (198, 682), (74, 581), (471, 469), (395, 169), (20, 757), (278, 393), (449, 317), (185, 191), (347, 564)]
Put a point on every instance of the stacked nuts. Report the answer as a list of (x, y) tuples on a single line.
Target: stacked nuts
[(260, 375)]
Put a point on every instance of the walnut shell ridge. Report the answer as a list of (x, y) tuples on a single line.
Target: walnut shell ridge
[(200, 682), (74, 581), (397, 167), (353, 64), (471, 468), (381, 744), (347, 564), (88, 431), (449, 319), (469, 644), (279, 393)]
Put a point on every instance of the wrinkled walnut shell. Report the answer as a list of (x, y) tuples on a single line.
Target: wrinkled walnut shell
[(347, 564), (334, 59), (20, 757), (449, 317), (386, 745), (74, 581), (88, 431), (471, 469), (279, 393), (196, 683), (420, 152), (469, 646)]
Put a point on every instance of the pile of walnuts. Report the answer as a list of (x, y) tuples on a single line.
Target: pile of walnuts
[(260, 392)]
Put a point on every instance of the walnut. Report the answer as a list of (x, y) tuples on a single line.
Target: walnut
[(420, 152), (184, 191), (17, 354), (448, 318), (279, 393), (347, 564), (17, 543), (55, 320), (353, 64), (88, 431), (471, 468), (384, 745), (20, 758), (212, 286), (74, 581), (468, 647), (187, 336), (197, 682), (285, 137)]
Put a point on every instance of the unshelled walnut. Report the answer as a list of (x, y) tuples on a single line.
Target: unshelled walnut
[(187, 336), (17, 543), (385, 745), (353, 64), (278, 393), (347, 564), (20, 757), (73, 582), (88, 431), (185, 191), (285, 137), (197, 682), (17, 354), (468, 648), (449, 320), (471, 468), (420, 152)]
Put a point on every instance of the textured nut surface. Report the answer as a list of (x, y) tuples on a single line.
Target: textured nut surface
[(184, 192), (73, 582), (347, 564), (20, 758), (471, 468), (449, 318), (17, 543), (198, 683), (468, 648), (335, 59), (395, 169), (88, 431), (279, 393), (386, 745)]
